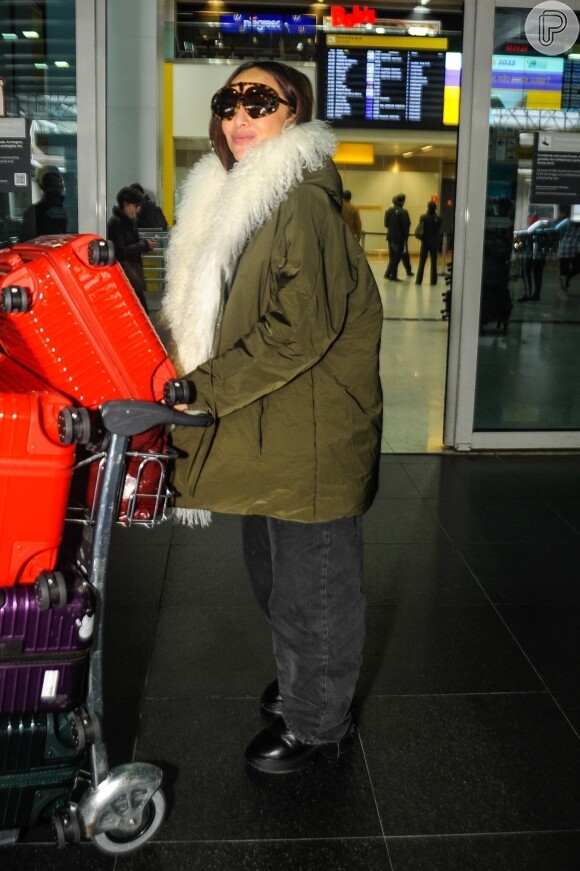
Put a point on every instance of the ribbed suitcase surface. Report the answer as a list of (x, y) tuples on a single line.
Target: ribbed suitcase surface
[(44, 654), (85, 331), (35, 475), (38, 767)]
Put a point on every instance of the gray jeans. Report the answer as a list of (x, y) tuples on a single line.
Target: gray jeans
[(307, 580)]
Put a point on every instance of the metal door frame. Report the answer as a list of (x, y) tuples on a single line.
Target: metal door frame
[(472, 152)]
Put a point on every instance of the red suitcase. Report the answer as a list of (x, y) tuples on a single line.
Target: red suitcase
[(70, 316), (35, 475), (44, 652)]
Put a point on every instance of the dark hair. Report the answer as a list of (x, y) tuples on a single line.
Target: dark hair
[(51, 181), (346, 195), (129, 195), (431, 206), (137, 187), (294, 86)]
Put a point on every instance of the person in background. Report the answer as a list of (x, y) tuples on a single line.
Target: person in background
[(351, 215), (406, 220), (430, 235), (535, 242), (397, 233), (47, 217), (150, 215), (276, 319), (568, 251), (129, 248)]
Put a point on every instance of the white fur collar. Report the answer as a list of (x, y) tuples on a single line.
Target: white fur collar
[(218, 214)]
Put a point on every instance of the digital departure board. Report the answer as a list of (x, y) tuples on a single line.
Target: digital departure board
[(395, 83)]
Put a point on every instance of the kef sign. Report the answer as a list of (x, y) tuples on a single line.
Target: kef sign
[(339, 17)]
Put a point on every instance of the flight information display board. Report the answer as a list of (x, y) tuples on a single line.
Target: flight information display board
[(401, 84)]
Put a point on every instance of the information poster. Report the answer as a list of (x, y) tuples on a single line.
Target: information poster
[(14, 155), (556, 168)]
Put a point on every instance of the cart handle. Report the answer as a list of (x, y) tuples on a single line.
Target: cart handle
[(130, 417)]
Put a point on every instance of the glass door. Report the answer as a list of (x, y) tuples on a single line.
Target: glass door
[(516, 337)]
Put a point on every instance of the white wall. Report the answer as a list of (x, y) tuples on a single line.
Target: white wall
[(132, 96)]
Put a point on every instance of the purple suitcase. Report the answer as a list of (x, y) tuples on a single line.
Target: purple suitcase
[(44, 654)]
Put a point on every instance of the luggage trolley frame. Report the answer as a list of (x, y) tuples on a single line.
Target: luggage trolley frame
[(122, 808)]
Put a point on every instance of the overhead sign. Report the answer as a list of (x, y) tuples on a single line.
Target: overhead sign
[(241, 22), (14, 155)]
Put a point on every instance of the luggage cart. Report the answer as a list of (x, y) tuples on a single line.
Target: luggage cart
[(122, 808)]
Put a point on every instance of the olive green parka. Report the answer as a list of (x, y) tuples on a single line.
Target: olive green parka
[(290, 364)]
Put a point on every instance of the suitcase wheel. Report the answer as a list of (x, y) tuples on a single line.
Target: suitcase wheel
[(15, 299), (66, 826), (179, 391), (74, 426), (101, 252), (85, 728), (50, 590)]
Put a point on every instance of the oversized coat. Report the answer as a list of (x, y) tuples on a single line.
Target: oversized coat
[(293, 375)]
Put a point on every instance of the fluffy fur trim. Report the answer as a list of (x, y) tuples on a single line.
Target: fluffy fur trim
[(219, 212), (192, 517)]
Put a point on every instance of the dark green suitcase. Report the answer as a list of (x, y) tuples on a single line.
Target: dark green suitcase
[(39, 767)]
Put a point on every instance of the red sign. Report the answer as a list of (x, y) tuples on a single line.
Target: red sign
[(339, 17)]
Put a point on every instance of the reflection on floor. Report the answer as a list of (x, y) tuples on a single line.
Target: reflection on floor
[(468, 752), (413, 363)]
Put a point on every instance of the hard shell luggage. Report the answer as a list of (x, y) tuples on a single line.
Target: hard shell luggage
[(35, 475), (70, 315), (39, 764), (44, 651)]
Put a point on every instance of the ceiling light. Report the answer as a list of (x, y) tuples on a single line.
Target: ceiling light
[(407, 153), (9, 36), (63, 64), (40, 66), (31, 34), (426, 147)]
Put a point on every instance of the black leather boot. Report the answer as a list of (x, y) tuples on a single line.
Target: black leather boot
[(276, 750)]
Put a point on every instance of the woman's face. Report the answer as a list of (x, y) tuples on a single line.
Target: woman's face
[(242, 132)]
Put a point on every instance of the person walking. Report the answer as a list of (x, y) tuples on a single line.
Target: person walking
[(276, 318), (129, 248), (397, 224), (429, 232), (351, 215), (406, 221)]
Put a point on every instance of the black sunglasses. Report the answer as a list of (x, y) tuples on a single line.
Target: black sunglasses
[(257, 100)]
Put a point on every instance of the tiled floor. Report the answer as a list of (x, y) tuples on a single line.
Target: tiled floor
[(468, 755)]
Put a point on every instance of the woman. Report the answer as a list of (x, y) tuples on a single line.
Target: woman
[(123, 233), (430, 224), (276, 319)]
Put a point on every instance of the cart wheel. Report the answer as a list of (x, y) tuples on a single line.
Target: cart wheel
[(85, 728), (15, 299), (137, 833), (101, 252), (74, 426), (175, 392), (66, 827), (50, 590)]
